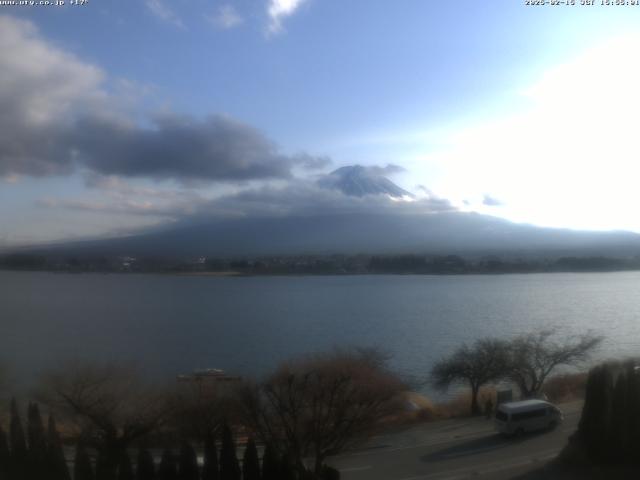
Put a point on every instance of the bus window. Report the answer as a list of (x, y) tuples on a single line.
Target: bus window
[(540, 412), (500, 415)]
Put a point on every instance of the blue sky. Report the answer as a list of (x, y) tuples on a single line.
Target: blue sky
[(519, 103)]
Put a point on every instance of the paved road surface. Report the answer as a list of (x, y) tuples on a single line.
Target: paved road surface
[(455, 449)]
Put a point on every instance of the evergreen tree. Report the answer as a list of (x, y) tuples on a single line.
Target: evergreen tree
[(210, 469), (188, 463), (250, 462), (633, 402), (229, 466), (594, 420), (609, 427), (270, 463), (146, 470), (287, 470), (125, 470), (18, 444), (167, 469), (57, 464), (5, 454), (37, 442), (329, 473), (82, 469), (618, 436), (103, 467)]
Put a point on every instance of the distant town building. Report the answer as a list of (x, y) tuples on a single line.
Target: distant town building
[(209, 375)]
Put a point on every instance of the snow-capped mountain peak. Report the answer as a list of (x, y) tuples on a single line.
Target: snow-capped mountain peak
[(358, 181)]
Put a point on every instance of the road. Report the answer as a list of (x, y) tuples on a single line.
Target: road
[(455, 449)]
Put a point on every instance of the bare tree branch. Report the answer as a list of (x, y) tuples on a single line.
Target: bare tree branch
[(110, 404), (320, 405), (534, 356), (483, 362)]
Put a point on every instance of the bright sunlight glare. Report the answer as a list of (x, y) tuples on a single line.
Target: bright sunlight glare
[(570, 159)]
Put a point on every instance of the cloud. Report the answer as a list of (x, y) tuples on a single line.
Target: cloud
[(295, 198), (118, 187), (226, 17), (490, 201), (299, 197), (129, 207), (311, 162), (160, 9), (11, 179), (303, 198), (32, 118), (116, 195), (74, 123), (278, 10), (388, 169), (184, 148)]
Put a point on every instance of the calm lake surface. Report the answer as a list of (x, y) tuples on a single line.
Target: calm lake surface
[(174, 324)]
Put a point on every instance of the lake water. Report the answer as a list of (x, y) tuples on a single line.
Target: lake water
[(246, 325)]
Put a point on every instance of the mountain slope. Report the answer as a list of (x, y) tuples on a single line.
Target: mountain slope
[(457, 232), (402, 232)]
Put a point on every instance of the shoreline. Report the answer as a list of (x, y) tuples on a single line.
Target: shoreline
[(234, 273)]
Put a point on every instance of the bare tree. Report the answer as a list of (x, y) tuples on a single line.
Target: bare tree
[(109, 404), (483, 362), (320, 405), (532, 357)]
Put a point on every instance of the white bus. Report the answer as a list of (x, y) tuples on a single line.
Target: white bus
[(516, 418)]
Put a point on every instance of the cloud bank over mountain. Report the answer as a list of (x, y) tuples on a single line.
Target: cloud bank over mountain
[(296, 197), (59, 114), (63, 117), (185, 148), (168, 167)]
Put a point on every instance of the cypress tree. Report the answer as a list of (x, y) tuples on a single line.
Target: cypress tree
[(37, 442), (610, 424), (188, 463), (146, 470), (287, 471), (167, 469), (103, 469), (82, 469), (270, 464), (35, 430), (619, 421), (210, 469), (229, 466), (609, 436), (593, 422), (125, 470), (633, 403), (329, 473), (101, 466), (5, 454), (250, 462), (18, 444), (57, 464)]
